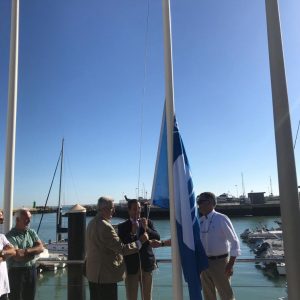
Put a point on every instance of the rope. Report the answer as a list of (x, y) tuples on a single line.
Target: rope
[(296, 135), (140, 261), (143, 98), (46, 202)]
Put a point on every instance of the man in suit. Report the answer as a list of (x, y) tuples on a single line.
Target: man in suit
[(139, 266), (104, 258)]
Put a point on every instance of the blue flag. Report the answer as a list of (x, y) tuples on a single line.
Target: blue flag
[(192, 254)]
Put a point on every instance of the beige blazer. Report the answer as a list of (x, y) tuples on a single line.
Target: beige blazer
[(104, 252)]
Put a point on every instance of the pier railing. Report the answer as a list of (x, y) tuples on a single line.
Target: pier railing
[(168, 260), (250, 280)]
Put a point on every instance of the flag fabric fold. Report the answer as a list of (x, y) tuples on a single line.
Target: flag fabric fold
[(192, 254)]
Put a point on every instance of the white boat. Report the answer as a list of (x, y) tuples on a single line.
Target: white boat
[(260, 235), (273, 251), (58, 247), (48, 261), (281, 268)]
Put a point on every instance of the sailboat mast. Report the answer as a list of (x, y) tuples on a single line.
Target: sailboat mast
[(58, 216), (243, 185)]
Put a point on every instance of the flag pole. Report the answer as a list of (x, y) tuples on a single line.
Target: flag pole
[(288, 188), (176, 265), (11, 117)]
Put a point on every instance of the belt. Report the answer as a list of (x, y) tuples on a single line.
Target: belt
[(218, 256)]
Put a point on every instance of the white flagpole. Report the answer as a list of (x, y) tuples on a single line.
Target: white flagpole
[(11, 117), (289, 202), (176, 264)]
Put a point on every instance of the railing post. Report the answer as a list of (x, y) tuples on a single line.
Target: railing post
[(76, 251)]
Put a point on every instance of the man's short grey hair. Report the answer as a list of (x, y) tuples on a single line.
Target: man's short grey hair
[(104, 201), (207, 196), (21, 212)]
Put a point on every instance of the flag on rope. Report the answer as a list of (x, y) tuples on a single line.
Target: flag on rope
[(192, 254)]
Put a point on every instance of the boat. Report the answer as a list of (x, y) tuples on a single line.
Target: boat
[(281, 268), (258, 235), (51, 261), (273, 251), (59, 247), (267, 244)]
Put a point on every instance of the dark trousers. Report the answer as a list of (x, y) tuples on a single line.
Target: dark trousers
[(103, 291), (22, 283), (4, 297)]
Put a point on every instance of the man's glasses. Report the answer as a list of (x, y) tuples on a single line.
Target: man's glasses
[(111, 208), (202, 201)]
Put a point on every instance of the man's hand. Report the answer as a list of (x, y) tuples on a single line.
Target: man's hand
[(20, 253), (167, 243), (155, 243), (144, 237), (229, 267), (144, 223)]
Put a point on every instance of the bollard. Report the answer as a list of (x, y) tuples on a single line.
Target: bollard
[(76, 251)]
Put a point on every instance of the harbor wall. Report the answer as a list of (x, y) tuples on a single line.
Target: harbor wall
[(231, 210), (227, 209)]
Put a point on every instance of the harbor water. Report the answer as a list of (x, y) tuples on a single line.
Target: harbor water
[(249, 280)]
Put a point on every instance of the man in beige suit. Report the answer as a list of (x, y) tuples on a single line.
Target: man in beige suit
[(104, 262)]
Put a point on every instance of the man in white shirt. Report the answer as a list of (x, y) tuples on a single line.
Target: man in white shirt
[(221, 245)]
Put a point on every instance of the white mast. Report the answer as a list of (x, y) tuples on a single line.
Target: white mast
[(176, 265), (289, 202), (11, 117), (243, 185), (271, 187)]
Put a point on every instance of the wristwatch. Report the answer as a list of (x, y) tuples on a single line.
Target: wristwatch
[(162, 244), (2, 253)]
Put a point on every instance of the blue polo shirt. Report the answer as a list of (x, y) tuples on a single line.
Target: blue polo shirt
[(21, 240)]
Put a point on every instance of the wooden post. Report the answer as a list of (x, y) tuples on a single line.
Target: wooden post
[(76, 251)]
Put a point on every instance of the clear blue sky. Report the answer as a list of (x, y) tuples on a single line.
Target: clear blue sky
[(81, 77)]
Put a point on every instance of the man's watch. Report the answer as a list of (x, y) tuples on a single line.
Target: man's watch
[(2, 253), (162, 244)]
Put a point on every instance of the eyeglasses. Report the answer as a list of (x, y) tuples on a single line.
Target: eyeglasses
[(202, 201), (111, 208)]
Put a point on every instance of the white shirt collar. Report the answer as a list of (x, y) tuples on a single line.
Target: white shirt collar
[(208, 216), (134, 221)]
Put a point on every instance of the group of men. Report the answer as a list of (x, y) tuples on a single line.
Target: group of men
[(110, 254), (128, 251), (18, 249)]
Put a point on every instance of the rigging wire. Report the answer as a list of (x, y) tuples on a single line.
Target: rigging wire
[(296, 135), (46, 202), (143, 96), (141, 133)]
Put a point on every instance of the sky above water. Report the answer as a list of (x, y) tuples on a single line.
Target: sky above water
[(93, 73)]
